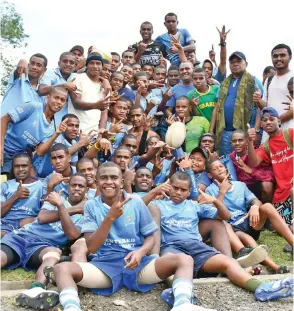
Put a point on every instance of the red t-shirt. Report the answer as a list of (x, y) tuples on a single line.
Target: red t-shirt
[(282, 162)]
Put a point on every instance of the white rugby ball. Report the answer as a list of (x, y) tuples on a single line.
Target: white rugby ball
[(176, 134)]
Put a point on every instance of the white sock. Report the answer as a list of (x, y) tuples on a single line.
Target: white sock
[(69, 299), (182, 289)]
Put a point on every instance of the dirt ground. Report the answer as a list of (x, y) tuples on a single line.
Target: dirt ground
[(222, 297)]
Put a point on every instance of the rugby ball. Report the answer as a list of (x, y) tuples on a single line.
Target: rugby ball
[(176, 134)]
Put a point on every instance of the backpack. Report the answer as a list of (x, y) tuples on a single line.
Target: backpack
[(269, 81), (287, 138)]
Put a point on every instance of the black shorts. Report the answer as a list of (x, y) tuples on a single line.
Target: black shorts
[(246, 228)]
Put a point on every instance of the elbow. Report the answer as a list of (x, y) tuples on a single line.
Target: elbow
[(41, 219), (40, 152), (228, 216), (74, 235)]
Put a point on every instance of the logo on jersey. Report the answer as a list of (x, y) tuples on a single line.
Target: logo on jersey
[(19, 109)]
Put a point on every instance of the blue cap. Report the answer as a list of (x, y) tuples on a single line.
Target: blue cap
[(269, 111), (239, 55)]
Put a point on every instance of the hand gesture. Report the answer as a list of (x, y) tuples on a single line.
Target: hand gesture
[(223, 34), (195, 101), (161, 144), (70, 86), (162, 61), (257, 94), (81, 64), (142, 47), (105, 145), (147, 123), (150, 104), (155, 84), (105, 85), (141, 86), (212, 156), (244, 167), (162, 190), (212, 54), (158, 164), (62, 127), (251, 133), (174, 41), (22, 192), (167, 95), (225, 185), (129, 174), (54, 199), (22, 67), (116, 126), (103, 103), (205, 198), (133, 259), (170, 120), (290, 105), (84, 139), (253, 216), (117, 209), (56, 179), (185, 164), (114, 96)]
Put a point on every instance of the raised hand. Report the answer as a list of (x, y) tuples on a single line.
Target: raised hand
[(162, 190), (185, 164), (257, 94), (212, 156), (167, 95), (158, 163), (155, 84), (22, 67), (244, 167), (105, 145), (117, 209), (133, 259), (195, 101), (105, 85), (116, 127), (142, 47), (62, 127), (129, 174), (223, 34), (170, 120), (70, 86), (103, 103), (225, 185), (205, 198), (22, 192), (147, 123), (84, 139), (56, 179), (212, 54), (54, 199), (251, 133), (150, 104), (174, 41)]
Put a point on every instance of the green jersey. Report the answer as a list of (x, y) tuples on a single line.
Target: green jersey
[(207, 101), (196, 127)]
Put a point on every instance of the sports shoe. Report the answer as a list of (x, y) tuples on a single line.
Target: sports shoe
[(49, 274), (168, 297), (190, 307), (288, 249), (283, 269), (275, 290), (248, 256), (37, 298)]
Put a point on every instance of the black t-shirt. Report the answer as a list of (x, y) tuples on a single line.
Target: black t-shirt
[(151, 55)]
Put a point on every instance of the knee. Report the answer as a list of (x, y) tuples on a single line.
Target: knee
[(62, 268), (268, 209), (267, 187), (184, 260), (79, 246)]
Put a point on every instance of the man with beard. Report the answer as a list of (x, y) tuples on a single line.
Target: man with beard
[(28, 126), (24, 82)]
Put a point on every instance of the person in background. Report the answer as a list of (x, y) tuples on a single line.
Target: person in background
[(115, 61), (268, 71), (147, 52), (106, 69), (204, 97), (174, 34), (62, 76), (136, 67), (128, 75), (128, 57), (24, 82), (78, 51)]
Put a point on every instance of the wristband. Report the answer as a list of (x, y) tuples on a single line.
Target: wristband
[(97, 148), (223, 44)]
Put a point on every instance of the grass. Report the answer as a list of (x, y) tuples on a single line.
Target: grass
[(274, 242)]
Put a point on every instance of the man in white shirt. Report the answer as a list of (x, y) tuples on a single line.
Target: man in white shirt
[(89, 100), (276, 92)]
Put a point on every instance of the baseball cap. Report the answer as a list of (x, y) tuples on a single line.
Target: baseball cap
[(79, 48), (239, 55), (269, 111), (200, 150)]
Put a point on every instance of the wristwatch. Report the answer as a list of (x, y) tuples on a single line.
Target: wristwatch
[(257, 130), (222, 44)]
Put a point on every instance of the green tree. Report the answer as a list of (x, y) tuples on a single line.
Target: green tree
[(12, 36)]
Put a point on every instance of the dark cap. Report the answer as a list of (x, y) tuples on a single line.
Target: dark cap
[(269, 111), (79, 48), (239, 55), (200, 150)]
